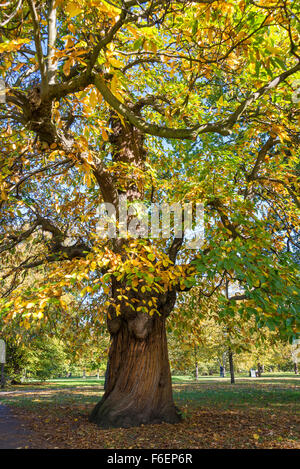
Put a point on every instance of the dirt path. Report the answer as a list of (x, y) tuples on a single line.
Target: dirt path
[(14, 434)]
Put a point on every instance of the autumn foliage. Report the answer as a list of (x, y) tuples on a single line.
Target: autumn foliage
[(172, 101)]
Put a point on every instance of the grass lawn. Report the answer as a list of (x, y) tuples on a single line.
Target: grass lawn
[(253, 413)]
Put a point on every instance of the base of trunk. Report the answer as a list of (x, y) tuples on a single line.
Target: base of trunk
[(138, 388), (123, 417)]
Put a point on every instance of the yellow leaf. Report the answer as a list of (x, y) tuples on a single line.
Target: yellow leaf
[(93, 98), (63, 304), (66, 67), (115, 63), (152, 46), (135, 282), (73, 9), (43, 302), (93, 265), (114, 84), (104, 135), (71, 28), (133, 31), (3, 195)]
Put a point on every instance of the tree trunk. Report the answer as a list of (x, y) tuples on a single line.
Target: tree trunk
[(2, 376), (138, 388), (196, 362), (296, 368), (259, 370), (224, 364), (231, 367), (196, 371)]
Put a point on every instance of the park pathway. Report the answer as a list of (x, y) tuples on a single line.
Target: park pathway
[(13, 435)]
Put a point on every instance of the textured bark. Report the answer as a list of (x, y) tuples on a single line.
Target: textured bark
[(138, 389)]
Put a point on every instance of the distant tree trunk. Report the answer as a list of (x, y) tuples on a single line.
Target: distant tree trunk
[(83, 374), (98, 374), (231, 367), (296, 368), (259, 369), (196, 363), (196, 371), (138, 388), (2, 376), (224, 364), (24, 377)]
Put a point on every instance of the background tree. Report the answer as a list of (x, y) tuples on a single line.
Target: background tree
[(214, 335), (40, 358)]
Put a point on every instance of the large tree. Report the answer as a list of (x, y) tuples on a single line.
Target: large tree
[(168, 100)]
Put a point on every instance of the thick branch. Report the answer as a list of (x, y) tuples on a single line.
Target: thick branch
[(261, 157), (52, 30), (38, 43), (106, 40), (222, 127), (221, 209), (38, 171), (13, 240), (257, 94), (175, 248), (12, 15), (284, 184), (78, 250), (153, 129)]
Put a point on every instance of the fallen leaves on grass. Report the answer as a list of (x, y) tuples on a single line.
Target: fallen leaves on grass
[(68, 427)]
